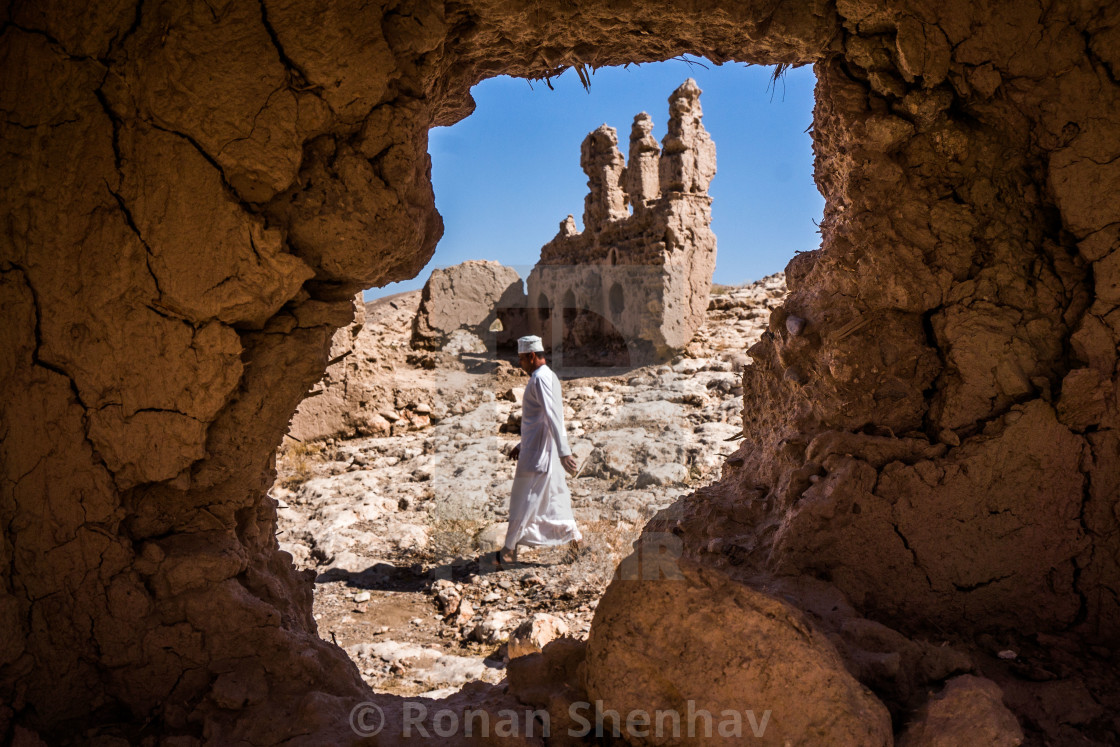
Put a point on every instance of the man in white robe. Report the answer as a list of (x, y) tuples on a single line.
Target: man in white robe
[(540, 506)]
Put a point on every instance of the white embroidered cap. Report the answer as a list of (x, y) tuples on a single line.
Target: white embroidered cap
[(529, 344)]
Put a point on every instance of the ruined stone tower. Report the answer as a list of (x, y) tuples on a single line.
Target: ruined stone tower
[(633, 286)]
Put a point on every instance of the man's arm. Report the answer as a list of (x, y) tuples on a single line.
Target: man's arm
[(554, 414), (569, 464)]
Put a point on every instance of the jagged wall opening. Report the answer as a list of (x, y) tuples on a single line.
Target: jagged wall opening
[(522, 140), (196, 191)]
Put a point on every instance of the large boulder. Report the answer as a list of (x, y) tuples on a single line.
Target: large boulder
[(968, 711), (532, 635), (731, 662), (469, 296), (550, 680)]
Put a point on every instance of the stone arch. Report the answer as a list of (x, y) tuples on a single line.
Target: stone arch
[(568, 304), (589, 338), (184, 252), (616, 300)]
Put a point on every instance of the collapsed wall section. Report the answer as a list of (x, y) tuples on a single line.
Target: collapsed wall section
[(940, 384)]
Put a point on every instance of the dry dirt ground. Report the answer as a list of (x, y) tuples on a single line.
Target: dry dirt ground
[(400, 529)]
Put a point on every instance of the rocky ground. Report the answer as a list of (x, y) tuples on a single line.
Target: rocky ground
[(398, 527)]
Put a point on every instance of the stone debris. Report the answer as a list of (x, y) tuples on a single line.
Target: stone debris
[(463, 614), (429, 667), (447, 596), (532, 635), (461, 341), (969, 710), (494, 628)]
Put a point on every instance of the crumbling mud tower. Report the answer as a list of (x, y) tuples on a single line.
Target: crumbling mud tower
[(633, 288), (196, 191)]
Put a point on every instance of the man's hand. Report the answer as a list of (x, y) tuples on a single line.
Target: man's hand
[(514, 453), (569, 463)]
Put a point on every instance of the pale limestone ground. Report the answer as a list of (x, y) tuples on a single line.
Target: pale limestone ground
[(389, 517)]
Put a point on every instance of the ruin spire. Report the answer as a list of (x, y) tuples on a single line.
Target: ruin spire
[(633, 287), (688, 156), (603, 163), (640, 179)]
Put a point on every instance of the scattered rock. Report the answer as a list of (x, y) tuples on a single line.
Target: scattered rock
[(461, 341), (532, 635), (424, 664), (447, 596), (969, 710), (663, 474), (463, 614), (494, 628), (492, 537)]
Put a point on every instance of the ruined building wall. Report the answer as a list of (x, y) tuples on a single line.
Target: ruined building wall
[(941, 383), (643, 274), (195, 191)]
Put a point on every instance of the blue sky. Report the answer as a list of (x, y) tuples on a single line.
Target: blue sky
[(506, 176)]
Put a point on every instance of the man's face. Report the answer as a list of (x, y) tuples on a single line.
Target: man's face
[(528, 362)]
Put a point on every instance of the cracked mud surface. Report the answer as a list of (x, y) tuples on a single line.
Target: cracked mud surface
[(196, 191)]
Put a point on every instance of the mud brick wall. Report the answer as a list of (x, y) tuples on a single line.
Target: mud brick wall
[(194, 192)]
